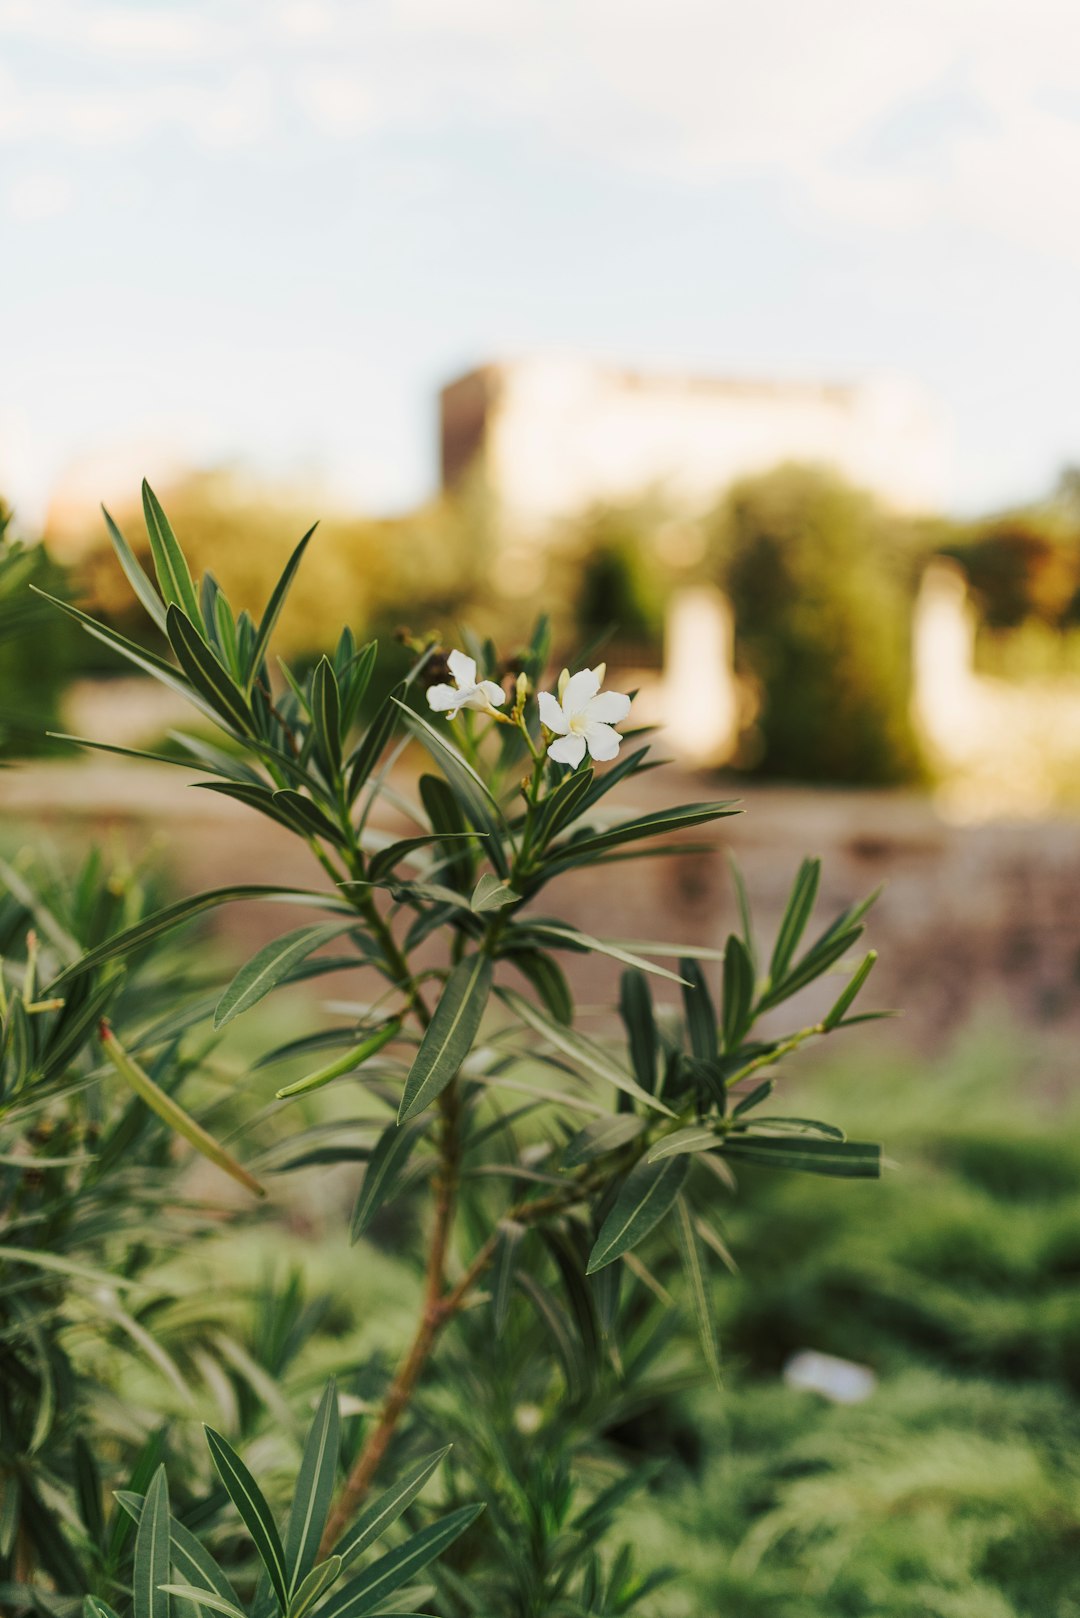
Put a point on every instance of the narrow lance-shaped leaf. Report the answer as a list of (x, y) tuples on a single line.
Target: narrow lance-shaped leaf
[(136, 575), (173, 1113), (700, 1012), (510, 1233), (696, 1272), (385, 1510), (384, 1171), (799, 907), (694, 1138), (315, 1585), (151, 1568), (849, 994), (636, 1010), (173, 574), (314, 1490), (583, 1053), (326, 716), (845, 1160), (208, 675), (738, 1010), (162, 921), (645, 1196), (579, 850), (449, 1037), (249, 1501), (203, 1600), (371, 1589), (369, 749), (478, 806), (267, 968), (273, 609), (602, 1135), (190, 1560), (548, 979), (343, 1064)]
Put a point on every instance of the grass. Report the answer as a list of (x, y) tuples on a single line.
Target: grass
[(954, 1491)]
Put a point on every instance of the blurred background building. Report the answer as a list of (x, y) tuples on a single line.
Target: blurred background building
[(551, 436)]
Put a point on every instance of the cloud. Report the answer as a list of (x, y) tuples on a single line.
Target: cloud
[(37, 196), (691, 91)]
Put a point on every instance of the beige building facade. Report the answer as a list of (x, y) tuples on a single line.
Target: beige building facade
[(551, 436)]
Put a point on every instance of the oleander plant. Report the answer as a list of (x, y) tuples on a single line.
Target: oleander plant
[(540, 1174)]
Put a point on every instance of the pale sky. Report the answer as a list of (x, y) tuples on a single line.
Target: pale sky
[(268, 229)]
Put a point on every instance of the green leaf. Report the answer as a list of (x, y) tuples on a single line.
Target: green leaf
[(273, 609), (162, 921), (491, 893), (695, 1138), (368, 751), (383, 862), (583, 1052), (207, 674), (204, 1599), (742, 899), (449, 1037), (846, 1160), (738, 993), (636, 1010), (644, 1198), (189, 1559), (510, 1233), (384, 1511), (570, 938), (343, 1064), (700, 1012), (849, 994), (135, 573), (696, 1271), (600, 1136), (272, 963), (149, 662), (377, 1583), (479, 807), (384, 1172), (548, 979), (326, 716), (94, 1607), (444, 812), (354, 682), (316, 1584), (173, 575), (152, 1562), (814, 964), (314, 1490), (173, 1113), (793, 924), (561, 806), (248, 1499), (306, 817), (582, 850)]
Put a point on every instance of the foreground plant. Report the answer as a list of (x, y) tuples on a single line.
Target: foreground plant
[(604, 1144)]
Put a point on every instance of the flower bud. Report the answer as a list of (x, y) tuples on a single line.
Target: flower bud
[(564, 681)]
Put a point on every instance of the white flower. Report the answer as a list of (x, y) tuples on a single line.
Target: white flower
[(470, 692), (582, 716)]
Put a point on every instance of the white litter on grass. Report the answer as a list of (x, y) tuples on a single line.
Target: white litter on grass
[(841, 1381)]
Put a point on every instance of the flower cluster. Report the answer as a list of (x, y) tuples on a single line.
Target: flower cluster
[(580, 719)]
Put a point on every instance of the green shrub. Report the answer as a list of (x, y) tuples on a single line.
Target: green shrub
[(821, 589)]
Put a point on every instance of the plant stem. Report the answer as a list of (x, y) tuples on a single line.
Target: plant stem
[(439, 1308)]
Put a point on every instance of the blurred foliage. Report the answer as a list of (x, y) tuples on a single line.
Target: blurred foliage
[(822, 582), (426, 566), (34, 646)]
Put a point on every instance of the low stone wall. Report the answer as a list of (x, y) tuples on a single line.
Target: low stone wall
[(971, 917)]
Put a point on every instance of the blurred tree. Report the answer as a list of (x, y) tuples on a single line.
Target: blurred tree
[(821, 582)]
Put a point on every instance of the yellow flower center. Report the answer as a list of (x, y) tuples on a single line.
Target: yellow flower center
[(578, 725)]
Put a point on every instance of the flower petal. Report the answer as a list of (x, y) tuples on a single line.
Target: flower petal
[(603, 742), (579, 688), (462, 668), (494, 693), (608, 707), (568, 750), (443, 697), (551, 713)]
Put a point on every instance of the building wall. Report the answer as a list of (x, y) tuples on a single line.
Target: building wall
[(552, 435)]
